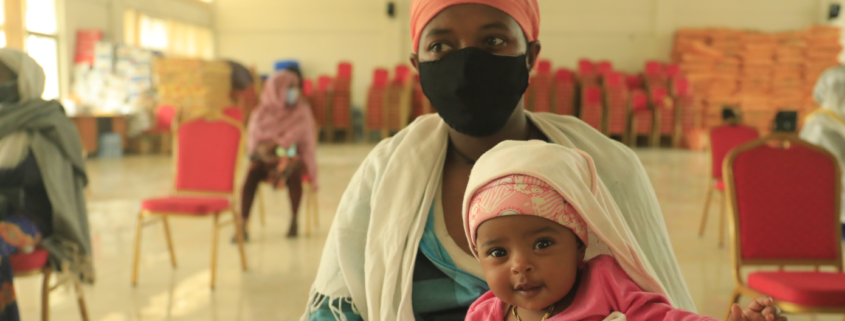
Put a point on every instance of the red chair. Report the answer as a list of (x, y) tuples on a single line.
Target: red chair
[(165, 115), (587, 73), (235, 113), (321, 100), (655, 75), (307, 87), (377, 101), (641, 118), (634, 82), (564, 92), (685, 106), (541, 88), (207, 151), (399, 99), (36, 263), (604, 67), (723, 139), (341, 107), (592, 107), (784, 197), (616, 98), (665, 113), (672, 71)]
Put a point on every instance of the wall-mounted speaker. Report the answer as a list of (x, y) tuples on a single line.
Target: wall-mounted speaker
[(834, 11)]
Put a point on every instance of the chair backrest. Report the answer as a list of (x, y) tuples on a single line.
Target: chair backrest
[(680, 86), (324, 83), (207, 152), (672, 70), (634, 82), (564, 76), (235, 113), (785, 203), (653, 68), (344, 70), (380, 77), (639, 100), (401, 75), (544, 66), (586, 67), (307, 87), (613, 79), (658, 95), (725, 138), (604, 67), (164, 117), (592, 95)]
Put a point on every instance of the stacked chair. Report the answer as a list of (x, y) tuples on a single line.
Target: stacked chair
[(664, 114), (420, 105), (616, 99), (321, 99), (592, 107), (541, 88), (641, 118), (723, 140), (341, 106), (399, 96), (783, 196), (565, 89), (685, 105), (376, 103), (587, 73)]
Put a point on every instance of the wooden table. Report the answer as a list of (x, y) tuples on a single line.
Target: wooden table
[(90, 129)]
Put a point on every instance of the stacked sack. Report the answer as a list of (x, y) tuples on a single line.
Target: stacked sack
[(193, 86), (761, 73)]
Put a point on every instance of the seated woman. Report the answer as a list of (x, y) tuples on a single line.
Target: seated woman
[(826, 126), (282, 142), (42, 176)]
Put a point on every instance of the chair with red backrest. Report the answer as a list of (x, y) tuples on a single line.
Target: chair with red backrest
[(665, 112), (723, 139), (641, 118), (235, 113), (604, 67), (672, 71), (307, 87), (634, 82), (655, 75), (685, 106), (36, 263), (341, 115), (544, 67), (587, 73), (564, 93), (377, 101), (399, 93), (540, 89), (207, 152), (784, 198), (616, 98), (321, 100), (592, 107)]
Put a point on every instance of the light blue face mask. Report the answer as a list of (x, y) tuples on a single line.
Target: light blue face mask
[(291, 96)]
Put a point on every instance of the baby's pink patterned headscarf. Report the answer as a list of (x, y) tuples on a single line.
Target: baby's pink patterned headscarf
[(522, 195)]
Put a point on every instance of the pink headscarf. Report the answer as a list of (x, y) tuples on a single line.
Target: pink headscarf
[(525, 12), (522, 195), (274, 121)]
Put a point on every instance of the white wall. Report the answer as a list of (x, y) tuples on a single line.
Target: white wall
[(320, 33)]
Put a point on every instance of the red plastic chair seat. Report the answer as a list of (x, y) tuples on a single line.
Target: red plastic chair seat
[(186, 205), (720, 185), (30, 261), (814, 289)]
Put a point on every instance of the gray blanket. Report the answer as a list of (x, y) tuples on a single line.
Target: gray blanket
[(55, 143)]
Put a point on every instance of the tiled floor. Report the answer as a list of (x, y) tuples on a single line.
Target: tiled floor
[(281, 270)]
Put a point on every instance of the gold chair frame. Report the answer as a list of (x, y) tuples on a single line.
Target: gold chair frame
[(786, 140), (46, 272), (163, 216)]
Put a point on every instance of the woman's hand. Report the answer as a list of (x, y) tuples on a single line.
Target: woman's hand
[(761, 309), (266, 152)]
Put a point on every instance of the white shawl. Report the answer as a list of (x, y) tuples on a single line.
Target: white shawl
[(572, 173), (369, 255), (31, 80), (826, 126)]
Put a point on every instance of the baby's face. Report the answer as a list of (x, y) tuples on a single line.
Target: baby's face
[(528, 261)]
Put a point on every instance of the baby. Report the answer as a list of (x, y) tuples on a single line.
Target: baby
[(530, 224)]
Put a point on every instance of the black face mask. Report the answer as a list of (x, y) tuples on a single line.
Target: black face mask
[(474, 91), (9, 92)]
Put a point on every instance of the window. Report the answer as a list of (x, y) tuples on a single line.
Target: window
[(2, 21), (42, 41), (171, 37)]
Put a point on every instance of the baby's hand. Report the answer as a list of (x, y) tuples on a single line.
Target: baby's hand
[(761, 309)]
